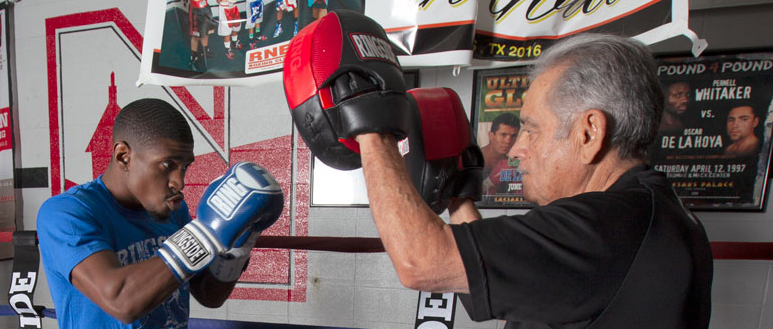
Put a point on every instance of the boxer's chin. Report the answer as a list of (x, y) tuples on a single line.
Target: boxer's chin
[(159, 217)]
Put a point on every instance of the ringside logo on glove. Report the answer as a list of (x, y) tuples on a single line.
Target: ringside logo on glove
[(191, 249)]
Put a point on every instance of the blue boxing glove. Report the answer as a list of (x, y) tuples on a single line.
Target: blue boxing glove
[(245, 198)]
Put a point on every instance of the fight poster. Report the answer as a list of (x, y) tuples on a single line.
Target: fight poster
[(7, 198), (714, 140), (497, 100)]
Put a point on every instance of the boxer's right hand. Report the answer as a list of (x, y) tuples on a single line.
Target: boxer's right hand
[(246, 197)]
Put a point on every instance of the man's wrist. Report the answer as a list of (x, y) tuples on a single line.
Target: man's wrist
[(373, 137), (375, 140)]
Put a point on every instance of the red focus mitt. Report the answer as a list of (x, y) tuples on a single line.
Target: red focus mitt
[(443, 160), (342, 78)]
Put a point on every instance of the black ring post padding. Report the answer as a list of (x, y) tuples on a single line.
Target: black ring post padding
[(25, 238), (26, 261)]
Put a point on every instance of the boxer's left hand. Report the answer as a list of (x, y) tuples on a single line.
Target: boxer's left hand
[(228, 266)]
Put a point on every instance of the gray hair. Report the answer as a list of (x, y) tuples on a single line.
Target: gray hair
[(612, 74)]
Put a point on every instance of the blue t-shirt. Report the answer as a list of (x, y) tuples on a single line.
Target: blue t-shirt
[(86, 219)]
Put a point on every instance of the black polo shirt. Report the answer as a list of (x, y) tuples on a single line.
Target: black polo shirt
[(629, 257)]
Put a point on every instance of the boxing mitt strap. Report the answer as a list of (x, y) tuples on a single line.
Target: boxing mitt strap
[(381, 112)]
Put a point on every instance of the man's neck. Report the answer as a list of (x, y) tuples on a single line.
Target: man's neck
[(671, 120), (114, 184), (608, 171), (743, 145)]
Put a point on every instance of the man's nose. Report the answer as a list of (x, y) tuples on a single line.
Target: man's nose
[(177, 180), (518, 148)]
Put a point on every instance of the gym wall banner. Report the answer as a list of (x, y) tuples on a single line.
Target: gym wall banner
[(7, 198), (516, 32), (714, 141), (194, 42)]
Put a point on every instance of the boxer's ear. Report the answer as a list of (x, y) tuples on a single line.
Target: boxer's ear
[(121, 155)]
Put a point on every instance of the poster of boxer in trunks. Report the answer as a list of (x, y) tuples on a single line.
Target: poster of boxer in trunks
[(498, 97)]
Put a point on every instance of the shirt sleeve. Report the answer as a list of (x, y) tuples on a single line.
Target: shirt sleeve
[(68, 233), (559, 263)]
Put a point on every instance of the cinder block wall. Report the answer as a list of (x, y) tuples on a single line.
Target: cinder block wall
[(361, 290)]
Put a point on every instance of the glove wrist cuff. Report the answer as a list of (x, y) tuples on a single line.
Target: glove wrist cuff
[(188, 251)]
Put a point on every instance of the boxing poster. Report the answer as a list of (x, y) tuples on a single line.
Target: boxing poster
[(7, 199), (516, 32), (224, 42), (497, 100), (714, 140)]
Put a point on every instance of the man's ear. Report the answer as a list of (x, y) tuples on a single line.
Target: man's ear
[(593, 127), (121, 155)]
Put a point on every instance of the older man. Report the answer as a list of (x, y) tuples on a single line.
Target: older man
[(609, 246)]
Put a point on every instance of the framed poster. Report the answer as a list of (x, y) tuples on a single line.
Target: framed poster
[(713, 143), (497, 100)]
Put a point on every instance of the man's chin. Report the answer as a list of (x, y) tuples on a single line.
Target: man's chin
[(159, 217)]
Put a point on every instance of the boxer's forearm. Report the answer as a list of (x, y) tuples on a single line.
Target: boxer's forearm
[(420, 245), (124, 292)]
